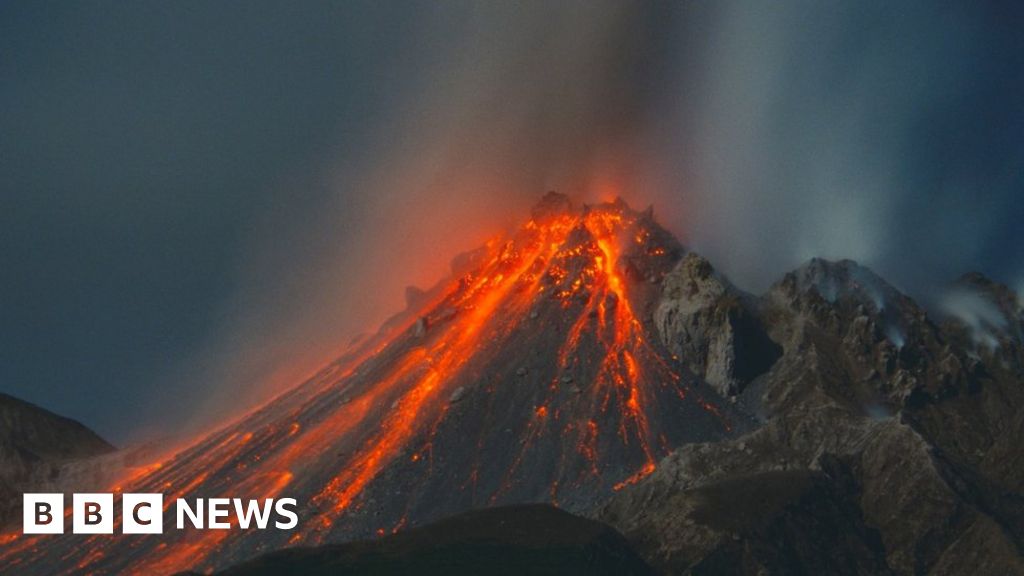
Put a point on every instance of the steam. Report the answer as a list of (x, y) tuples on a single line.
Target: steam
[(763, 134), (980, 315), (851, 131)]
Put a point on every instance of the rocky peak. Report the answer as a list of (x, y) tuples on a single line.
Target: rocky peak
[(551, 205), (45, 435), (886, 338), (896, 451), (703, 320), (842, 282)]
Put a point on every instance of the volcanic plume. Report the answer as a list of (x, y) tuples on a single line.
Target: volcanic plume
[(532, 374)]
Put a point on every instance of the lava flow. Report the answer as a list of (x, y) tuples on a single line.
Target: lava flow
[(532, 374)]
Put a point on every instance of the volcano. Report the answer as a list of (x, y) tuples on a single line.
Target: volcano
[(534, 373)]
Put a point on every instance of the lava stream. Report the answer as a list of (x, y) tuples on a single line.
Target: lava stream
[(531, 374)]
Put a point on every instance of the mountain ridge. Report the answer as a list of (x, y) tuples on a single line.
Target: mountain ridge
[(907, 424)]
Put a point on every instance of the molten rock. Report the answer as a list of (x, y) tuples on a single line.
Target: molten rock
[(462, 401)]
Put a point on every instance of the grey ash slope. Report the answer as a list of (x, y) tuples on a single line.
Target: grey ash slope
[(34, 446), (890, 443)]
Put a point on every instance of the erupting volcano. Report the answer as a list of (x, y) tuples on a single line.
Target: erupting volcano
[(534, 373)]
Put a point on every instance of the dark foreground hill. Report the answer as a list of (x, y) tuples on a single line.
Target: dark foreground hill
[(535, 540)]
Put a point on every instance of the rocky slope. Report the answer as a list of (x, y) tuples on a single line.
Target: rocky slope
[(706, 321), (889, 443), (37, 449)]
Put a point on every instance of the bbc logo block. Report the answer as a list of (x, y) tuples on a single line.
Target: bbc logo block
[(93, 514), (43, 514), (144, 514)]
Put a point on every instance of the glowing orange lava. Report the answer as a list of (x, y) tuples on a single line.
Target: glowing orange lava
[(331, 438)]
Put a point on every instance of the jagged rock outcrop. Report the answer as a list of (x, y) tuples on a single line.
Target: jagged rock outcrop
[(880, 343), (886, 440), (703, 320)]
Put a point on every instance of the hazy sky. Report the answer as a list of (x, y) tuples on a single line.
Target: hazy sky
[(202, 201)]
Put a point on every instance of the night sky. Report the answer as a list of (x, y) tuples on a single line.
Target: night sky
[(195, 194)]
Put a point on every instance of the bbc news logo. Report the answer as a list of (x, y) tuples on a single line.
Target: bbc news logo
[(143, 513)]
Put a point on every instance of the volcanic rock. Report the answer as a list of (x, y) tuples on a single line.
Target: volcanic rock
[(457, 395), (36, 448), (985, 317), (552, 205), (703, 320), (894, 457)]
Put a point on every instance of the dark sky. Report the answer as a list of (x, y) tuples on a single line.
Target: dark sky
[(191, 187), (140, 142)]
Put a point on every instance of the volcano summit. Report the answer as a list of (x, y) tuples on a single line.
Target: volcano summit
[(587, 360), (535, 373)]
